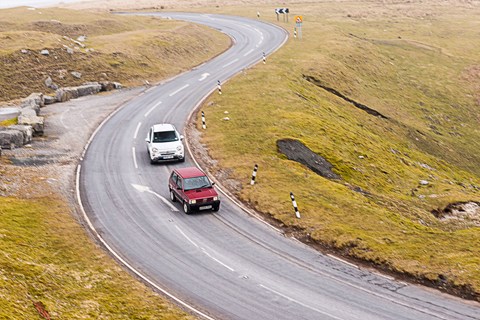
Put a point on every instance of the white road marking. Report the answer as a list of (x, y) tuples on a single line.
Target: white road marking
[(203, 250), (134, 159), (341, 260), (147, 189), (186, 237), (300, 303), (178, 90), (248, 52), (151, 109), (216, 260), (136, 131), (230, 63), (204, 76)]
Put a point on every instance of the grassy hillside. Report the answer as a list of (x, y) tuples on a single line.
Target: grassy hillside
[(129, 50), (417, 64)]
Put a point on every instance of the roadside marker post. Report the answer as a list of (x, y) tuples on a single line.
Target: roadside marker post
[(219, 87), (294, 203), (254, 174), (295, 32), (264, 57), (204, 126)]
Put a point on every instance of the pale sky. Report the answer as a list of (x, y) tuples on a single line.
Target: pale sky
[(32, 3)]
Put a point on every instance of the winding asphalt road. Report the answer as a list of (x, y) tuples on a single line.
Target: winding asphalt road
[(224, 265)]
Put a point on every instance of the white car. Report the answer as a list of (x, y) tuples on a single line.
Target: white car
[(164, 143)]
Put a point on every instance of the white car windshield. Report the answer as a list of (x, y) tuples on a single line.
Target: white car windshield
[(165, 136), (196, 183)]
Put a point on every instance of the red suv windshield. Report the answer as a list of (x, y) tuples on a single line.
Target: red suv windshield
[(196, 183)]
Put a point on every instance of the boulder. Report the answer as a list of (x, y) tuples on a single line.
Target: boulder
[(34, 102), (9, 139), (65, 94), (27, 132), (49, 99), (88, 89), (76, 74), (107, 86), (29, 117), (45, 52)]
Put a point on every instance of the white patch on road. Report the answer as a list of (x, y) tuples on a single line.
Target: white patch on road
[(178, 90)]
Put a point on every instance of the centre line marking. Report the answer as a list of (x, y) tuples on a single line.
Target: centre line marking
[(178, 90), (203, 250), (216, 260), (134, 159), (186, 237), (231, 62), (247, 53), (136, 131), (151, 109), (300, 303)]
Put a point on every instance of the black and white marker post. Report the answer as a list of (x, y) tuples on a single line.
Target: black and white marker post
[(264, 58), (204, 126), (219, 87), (294, 203), (254, 174)]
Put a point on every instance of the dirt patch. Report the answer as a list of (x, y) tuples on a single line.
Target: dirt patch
[(297, 151)]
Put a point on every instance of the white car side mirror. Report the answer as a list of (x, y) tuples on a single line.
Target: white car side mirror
[(147, 140), (181, 137)]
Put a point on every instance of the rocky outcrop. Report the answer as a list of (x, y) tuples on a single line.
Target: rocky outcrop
[(31, 124)]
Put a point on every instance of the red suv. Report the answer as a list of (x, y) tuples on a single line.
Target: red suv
[(192, 187)]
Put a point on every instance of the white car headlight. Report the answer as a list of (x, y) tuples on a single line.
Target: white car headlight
[(154, 150), (215, 198), (192, 201), (179, 148)]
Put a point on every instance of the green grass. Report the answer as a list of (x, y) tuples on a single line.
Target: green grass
[(47, 257), (412, 63), (9, 122)]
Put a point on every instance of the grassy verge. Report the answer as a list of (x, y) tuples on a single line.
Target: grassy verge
[(46, 257), (417, 64)]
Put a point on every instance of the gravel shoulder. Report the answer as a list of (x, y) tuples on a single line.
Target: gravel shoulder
[(47, 166)]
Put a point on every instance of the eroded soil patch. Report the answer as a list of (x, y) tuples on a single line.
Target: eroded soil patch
[(297, 151)]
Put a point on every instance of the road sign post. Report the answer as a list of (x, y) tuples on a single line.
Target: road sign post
[(298, 26)]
